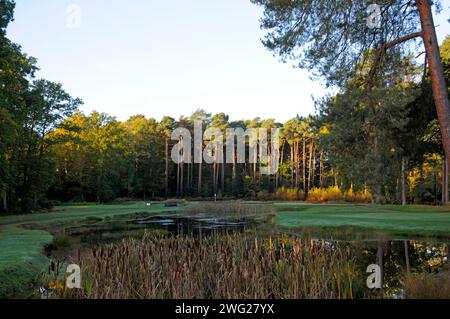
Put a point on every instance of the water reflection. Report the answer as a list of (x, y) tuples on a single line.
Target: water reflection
[(196, 226), (397, 258)]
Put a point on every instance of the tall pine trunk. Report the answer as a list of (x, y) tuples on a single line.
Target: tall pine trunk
[(199, 186), (191, 185), (297, 164), (438, 83), (279, 178), (310, 166), (445, 181), (233, 174), (407, 261), (217, 177), (403, 181), (166, 172), (181, 178), (4, 200), (178, 180), (314, 166), (255, 160), (321, 169), (380, 261), (293, 168), (222, 178), (214, 178), (222, 169), (304, 166)]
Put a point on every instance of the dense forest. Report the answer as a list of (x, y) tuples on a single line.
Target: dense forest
[(381, 144)]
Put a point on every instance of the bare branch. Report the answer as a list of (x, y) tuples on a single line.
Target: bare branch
[(391, 44)]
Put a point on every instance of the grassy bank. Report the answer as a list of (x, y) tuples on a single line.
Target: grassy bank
[(21, 259), (67, 213)]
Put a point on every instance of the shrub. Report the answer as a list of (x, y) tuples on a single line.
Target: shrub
[(45, 203), (28, 206), (60, 241), (358, 197), (289, 194), (175, 202), (264, 195), (320, 195)]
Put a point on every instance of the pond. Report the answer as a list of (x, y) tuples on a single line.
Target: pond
[(395, 256)]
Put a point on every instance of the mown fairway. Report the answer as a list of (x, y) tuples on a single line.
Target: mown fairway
[(409, 220)]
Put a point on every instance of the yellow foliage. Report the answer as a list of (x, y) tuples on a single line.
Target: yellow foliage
[(320, 195), (289, 194), (57, 285)]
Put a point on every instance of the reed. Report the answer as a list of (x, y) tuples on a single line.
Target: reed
[(214, 267), (427, 285), (228, 210)]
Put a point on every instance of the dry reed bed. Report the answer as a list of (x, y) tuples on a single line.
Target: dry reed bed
[(233, 266), (427, 286), (228, 210)]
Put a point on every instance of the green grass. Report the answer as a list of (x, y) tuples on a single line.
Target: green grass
[(22, 250), (67, 213), (21, 259), (412, 220)]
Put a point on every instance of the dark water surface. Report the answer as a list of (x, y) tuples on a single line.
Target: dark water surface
[(196, 226)]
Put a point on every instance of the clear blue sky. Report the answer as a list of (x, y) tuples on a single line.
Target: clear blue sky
[(166, 57)]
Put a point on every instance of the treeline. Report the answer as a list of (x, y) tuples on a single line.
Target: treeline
[(380, 143), (99, 159), (29, 111)]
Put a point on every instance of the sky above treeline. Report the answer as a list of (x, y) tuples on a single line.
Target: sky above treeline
[(166, 57)]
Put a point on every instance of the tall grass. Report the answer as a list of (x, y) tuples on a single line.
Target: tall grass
[(427, 286), (232, 266)]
